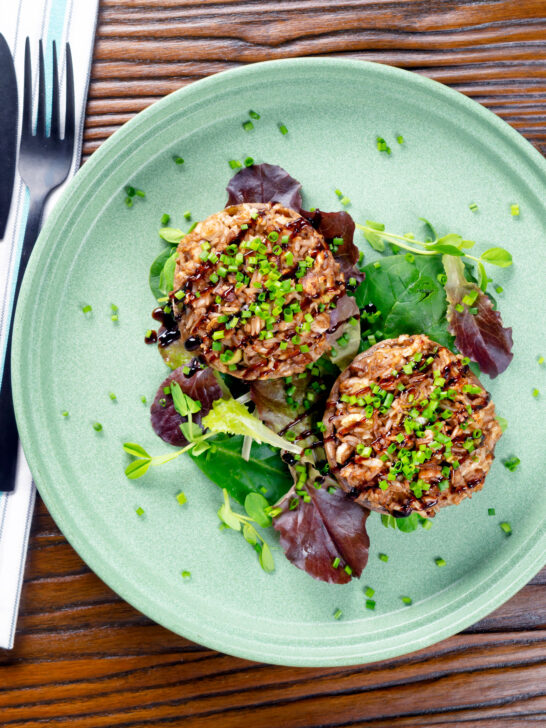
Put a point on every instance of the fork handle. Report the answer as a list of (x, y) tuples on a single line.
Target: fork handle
[(8, 427)]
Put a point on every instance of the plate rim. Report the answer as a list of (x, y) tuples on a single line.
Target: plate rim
[(315, 656)]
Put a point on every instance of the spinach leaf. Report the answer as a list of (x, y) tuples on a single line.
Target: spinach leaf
[(157, 277), (166, 277), (225, 466), (409, 296)]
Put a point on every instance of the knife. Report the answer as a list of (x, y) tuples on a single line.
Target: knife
[(8, 131)]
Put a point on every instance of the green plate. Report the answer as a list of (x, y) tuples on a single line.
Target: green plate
[(94, 250)]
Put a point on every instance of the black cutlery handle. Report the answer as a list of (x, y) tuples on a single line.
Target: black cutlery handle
[(8, 428)]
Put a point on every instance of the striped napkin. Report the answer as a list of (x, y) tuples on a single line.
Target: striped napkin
[(60, 20)]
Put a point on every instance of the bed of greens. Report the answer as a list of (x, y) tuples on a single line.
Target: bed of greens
[(260, 443)]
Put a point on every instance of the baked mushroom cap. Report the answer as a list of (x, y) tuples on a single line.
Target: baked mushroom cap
[(409, 428), (253, 289)]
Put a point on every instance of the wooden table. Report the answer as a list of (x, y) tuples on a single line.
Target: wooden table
[(83, 657)]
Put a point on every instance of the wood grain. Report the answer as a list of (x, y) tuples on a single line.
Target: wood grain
[(83, 657)]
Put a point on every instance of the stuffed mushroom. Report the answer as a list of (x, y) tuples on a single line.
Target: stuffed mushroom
[(254, 288), (409, 428)]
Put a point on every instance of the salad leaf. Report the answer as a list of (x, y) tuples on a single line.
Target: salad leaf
[(175, 354), (264, 183), (171, 235), (203, 386), (157, 277), (344, 332), (255, 506), (322, 527), (497, 256), (232, 417), (375, 240), (237, 522), (264, 472), (409, 296), (407, 524), (480, 336), (166, 277), (340, 225)]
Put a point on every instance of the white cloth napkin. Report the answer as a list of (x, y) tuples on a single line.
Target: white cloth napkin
[(60, 20)]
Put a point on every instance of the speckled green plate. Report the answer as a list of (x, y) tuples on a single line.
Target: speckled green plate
[(94, 250)]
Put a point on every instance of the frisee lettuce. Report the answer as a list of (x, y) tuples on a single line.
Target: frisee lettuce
[(232, 417)]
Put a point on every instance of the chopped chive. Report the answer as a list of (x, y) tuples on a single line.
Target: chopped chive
[(140, 511), (369, 592), (439, 561), (87, 308), (506, 527), (514, 210), (511, 463), (165, 219), (143, 399), (181, 498), (128, 202), (490, 511), (383, 557), (114, 317), (336, 562), (283, 130), (130, 191), (370, 604), (540, 360), (400, 139), (112, 396), (186, 215), (249, 162), (254, 114), (178, 160), (186, 574), (64, 413), (407, 600), (536, 392), (235, 164), (345, 201), (140, 193), (248, 125), (473, 206), (337, 614), (499, 289), (97, 426), (347, 569)]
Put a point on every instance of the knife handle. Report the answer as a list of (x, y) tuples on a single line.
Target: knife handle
[(8, 427)]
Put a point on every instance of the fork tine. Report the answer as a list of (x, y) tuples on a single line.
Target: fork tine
[(69, 127), (41, 118), (27, 97), (55, 122)]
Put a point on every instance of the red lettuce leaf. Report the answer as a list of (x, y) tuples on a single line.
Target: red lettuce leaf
[(264, 183), (346, 308), (338, 225), (481, 336), (202, 385), (329, 526)]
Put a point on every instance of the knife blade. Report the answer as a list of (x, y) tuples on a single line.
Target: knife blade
[(8, 131)]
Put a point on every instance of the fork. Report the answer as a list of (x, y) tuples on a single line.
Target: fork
[(44, 164)]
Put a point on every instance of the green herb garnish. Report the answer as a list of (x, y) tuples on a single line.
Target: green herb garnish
[(238, 522), (511, 463)]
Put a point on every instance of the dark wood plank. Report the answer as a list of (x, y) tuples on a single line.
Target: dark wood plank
[(83, 657)]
